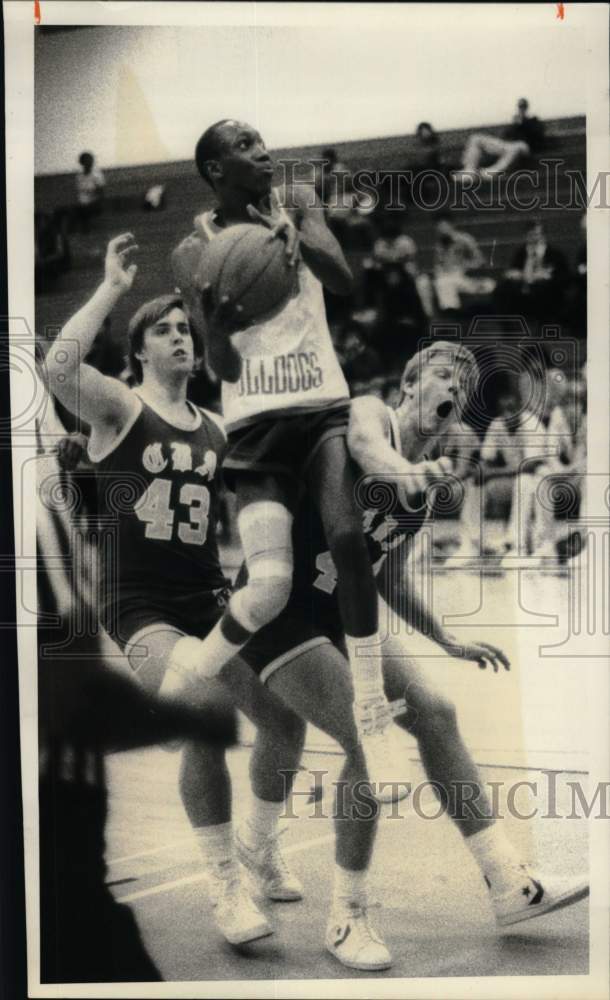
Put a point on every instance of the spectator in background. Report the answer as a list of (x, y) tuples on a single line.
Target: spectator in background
[(427, 150), (90, 184), (535, 284), (394, 248), (520, 139), (455, 254)]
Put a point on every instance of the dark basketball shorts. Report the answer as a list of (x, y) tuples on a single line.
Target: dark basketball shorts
[(283, 445), (194, 613), (295, 631)]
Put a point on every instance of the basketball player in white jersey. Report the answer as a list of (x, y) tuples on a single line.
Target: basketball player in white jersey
[(286, 408)]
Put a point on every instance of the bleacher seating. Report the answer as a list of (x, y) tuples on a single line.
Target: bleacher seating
[(498, 230)]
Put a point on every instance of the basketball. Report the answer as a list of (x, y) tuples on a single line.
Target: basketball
[(244, 263)]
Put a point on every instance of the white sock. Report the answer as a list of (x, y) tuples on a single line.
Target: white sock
[(216, 846), (204, 658), (496, 857), (366, 665), (261, 823), (349, 887)]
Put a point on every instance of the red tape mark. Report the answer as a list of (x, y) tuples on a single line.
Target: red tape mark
[(36, 11), (560, 12)]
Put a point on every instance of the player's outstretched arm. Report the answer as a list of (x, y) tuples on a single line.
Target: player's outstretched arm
[(413, 610), (368, 441), (87, 393), (319, 248)]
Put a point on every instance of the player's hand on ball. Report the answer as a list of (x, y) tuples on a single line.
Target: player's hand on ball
[(280, 228), (119, 273), (483, 653)]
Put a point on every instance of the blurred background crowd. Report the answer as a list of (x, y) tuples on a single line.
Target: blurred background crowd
[(437, 245)]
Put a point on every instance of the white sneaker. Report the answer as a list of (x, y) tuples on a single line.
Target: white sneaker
[(385, 758), (351, 939), (236, 915), (533, 897), (268, 867)]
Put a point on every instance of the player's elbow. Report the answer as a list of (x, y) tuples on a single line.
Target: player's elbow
[(61, 365)]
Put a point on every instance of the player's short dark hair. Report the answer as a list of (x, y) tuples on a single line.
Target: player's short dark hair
[(86, 159), (147, 315), (209, 147)]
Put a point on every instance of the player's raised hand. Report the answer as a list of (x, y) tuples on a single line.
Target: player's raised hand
[(119, 272), (281, 228), (483, 653)]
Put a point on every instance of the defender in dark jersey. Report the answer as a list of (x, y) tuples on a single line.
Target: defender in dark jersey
[(299, 655), (158, 458)]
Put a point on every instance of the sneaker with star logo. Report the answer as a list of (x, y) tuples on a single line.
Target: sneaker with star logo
[(352, 940), (534, 896)]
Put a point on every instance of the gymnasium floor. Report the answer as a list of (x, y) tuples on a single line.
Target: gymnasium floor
[(434, 913)]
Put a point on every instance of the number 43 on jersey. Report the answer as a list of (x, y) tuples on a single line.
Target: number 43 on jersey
[(154, 509)]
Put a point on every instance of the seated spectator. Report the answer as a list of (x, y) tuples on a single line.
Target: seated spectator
[(402, 319), (90, 184), (455, 254), (535, 284), (520, 139), (427, 150), (51, 249), (394, 248)]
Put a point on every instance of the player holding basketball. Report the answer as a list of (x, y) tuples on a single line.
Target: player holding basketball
[(298, 655), (286, 406)]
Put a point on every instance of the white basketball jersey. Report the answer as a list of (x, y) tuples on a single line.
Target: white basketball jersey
[(289, 362)]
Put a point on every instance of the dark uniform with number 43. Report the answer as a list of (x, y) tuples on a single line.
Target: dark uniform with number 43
[(158, 503)]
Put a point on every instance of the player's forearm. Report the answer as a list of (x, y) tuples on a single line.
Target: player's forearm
[(324, 257), (71, 347), (374, 455)]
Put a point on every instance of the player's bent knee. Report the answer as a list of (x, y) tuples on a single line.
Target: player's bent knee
[(260, 601)]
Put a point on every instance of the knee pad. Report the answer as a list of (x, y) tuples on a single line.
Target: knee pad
[(265, 529), (260, 601)]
